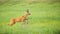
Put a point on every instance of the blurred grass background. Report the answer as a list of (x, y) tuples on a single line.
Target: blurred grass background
[(44, 18)]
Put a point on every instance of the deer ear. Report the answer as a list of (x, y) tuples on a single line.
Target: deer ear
[(27, 10)]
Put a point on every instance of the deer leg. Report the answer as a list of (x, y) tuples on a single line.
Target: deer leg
[(11, 22), (25, 22)]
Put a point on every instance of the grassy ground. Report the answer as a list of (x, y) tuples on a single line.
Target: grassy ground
[(44, 18)]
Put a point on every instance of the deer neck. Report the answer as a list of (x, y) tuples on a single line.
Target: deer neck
[(25, 15)]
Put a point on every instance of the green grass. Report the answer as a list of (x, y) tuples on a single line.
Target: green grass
[(44, 18)]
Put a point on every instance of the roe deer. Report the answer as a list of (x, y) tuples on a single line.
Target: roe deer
[(20, 19)]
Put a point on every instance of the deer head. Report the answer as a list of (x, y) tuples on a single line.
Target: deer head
[(27, 12)]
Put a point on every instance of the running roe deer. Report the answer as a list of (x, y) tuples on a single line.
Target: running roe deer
[(20, 19)]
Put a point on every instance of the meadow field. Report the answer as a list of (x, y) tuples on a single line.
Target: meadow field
[(44, 18)]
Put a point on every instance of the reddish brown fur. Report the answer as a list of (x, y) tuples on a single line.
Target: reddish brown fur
[(20, 19)]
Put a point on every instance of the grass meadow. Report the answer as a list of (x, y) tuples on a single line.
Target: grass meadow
[(44, 18)]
